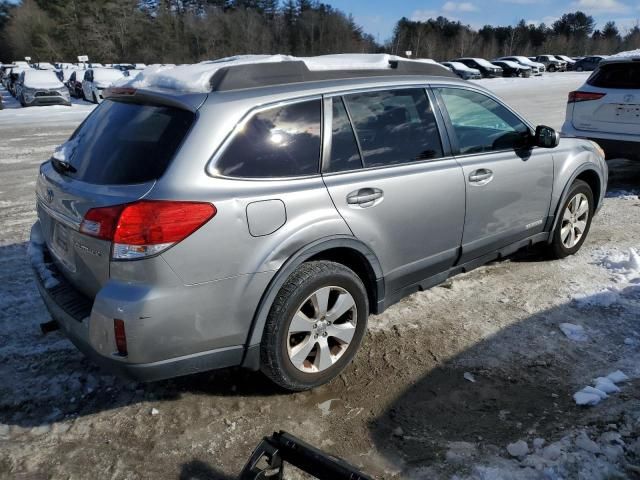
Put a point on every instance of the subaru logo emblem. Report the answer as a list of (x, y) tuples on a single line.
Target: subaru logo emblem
[(628, 98), (49, 195)]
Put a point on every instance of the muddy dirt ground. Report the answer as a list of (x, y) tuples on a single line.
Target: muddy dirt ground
[(402, 410)]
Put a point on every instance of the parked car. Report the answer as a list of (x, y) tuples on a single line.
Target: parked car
[(195, 231), (570, 61), (464, 72), (536, 68), (12, 79), (44, 66), (41, 87), (486, 68), (4, 72), (513, 69), (74, 84), (551, 63), (606, 108), (96, 80), (587, 64)]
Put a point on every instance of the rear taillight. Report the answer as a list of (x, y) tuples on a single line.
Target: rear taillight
[(584, 96), (147, 227), (120, 336)]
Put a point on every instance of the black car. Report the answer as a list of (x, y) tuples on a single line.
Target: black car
[(487, 69), (74, 84), (588, 64), (513, 69)]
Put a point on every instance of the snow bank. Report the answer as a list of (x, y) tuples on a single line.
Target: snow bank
[(195, 78), (35, 252), (590, 396), (629, 53)]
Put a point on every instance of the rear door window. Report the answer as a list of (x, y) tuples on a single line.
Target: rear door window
[(394, 126), (125, 143), (278, 142), (625, 75)]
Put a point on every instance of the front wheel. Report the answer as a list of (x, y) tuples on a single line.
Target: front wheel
[(315, 326), (573, 225)]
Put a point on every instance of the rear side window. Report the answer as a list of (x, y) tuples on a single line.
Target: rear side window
[(395, 126), (344, 149), (124, 143), (616, 75), (278, 142)]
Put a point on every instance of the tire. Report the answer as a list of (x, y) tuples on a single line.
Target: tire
[(562, 245), (552, 68), (579, 69), (302, 359)]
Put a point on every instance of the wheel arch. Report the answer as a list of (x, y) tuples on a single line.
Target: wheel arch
[(588, 174), (343, 249)]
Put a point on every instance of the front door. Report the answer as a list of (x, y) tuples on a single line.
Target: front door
[(508, 183), (387, 174)]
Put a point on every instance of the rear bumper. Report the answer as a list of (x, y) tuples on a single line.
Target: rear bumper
[(91, 330), (614, 145)]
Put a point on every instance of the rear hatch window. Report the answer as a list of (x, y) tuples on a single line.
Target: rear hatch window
[(124, 143), (616, 75)]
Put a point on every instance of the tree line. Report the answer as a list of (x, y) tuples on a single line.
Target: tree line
[(185, 31), (572, 34)]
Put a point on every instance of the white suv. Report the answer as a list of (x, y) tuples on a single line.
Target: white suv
[(606, 108)]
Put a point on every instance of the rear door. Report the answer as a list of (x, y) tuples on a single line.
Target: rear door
[(114, 157), (615, 103), (508, 184), (393, 182)]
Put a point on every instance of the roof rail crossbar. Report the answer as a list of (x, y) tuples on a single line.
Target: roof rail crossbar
[(255, 75)]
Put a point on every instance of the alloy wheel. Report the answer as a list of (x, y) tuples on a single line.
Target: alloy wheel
[(322, 329), (574, 220)]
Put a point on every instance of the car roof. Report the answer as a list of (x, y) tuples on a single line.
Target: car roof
[(244, 72)]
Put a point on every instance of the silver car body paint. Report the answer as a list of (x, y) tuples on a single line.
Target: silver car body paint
[(201, 304)]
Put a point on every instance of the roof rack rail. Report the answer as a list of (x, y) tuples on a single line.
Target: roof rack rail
[(253, 75)]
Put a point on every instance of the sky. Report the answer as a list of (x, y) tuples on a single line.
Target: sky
[(378, 17)]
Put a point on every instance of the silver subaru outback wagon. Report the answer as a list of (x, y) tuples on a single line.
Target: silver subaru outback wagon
[(260, 223)]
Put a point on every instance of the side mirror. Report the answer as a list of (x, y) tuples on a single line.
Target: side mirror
[(546, 137)]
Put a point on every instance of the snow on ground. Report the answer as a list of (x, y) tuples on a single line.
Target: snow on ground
[(405, 409), (15, 114)]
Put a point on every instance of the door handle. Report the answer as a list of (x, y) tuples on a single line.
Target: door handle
[(365, 197), (481, 176)]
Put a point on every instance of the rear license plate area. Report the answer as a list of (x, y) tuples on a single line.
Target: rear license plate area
[(62, 247), (629, 113)]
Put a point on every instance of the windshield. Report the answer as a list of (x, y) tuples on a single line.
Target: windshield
[(41, 78), (110, 75), (484, 63), (124, 143)]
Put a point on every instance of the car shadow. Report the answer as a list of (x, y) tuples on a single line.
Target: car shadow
[(199, 470), (515, 384)]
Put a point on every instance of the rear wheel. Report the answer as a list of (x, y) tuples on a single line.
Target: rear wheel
[(573, 225), (552, 68), (315, 325), (579, 69)]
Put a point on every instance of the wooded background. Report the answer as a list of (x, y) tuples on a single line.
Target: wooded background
[(185, 31)]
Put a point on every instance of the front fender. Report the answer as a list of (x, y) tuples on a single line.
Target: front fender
[(577, 157)]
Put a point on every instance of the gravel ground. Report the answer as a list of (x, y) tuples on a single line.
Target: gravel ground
[(404, 409)]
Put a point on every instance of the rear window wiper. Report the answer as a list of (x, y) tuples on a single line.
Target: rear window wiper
[(62, 166)]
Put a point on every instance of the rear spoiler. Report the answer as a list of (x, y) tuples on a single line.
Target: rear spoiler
[(169, 98)]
